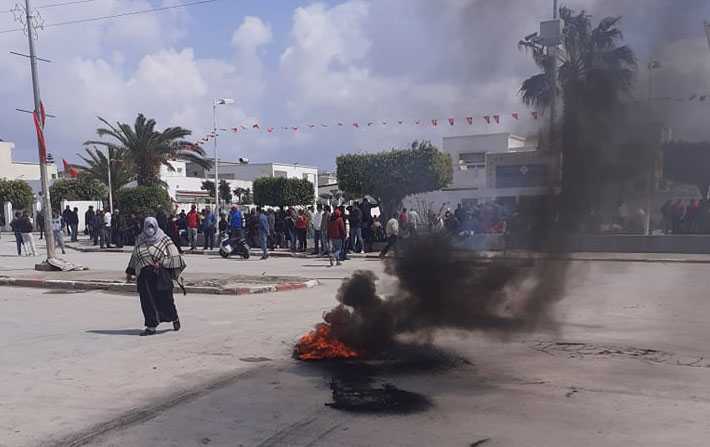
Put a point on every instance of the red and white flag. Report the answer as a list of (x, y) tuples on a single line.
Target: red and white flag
[(356, 125), (400, 122), (270, 129), (340, 124), (70, 169), (534, 115), (418, 122), (487, 118), (515, 115), (496, 118), (434, 123), (370, 124), (469, 120), (451, 121), (256, 126)]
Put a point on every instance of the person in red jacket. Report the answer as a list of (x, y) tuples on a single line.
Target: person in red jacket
[(193, 223), (301, 230), (336, 235)]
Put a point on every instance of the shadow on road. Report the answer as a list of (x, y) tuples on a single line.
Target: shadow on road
[(134, 332)]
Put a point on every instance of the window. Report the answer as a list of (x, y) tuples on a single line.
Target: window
[(283, 174), (179, 170), (473, 159)]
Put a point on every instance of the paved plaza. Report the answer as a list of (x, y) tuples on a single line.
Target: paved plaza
[(626, 366)]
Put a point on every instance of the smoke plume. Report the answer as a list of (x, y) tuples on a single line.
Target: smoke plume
[(440, 287)]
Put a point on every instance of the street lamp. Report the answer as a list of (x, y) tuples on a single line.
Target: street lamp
[(218, 102)]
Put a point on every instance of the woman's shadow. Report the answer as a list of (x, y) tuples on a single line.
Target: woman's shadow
[(134, 332)]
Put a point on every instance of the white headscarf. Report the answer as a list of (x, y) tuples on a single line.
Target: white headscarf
[(152, 234)]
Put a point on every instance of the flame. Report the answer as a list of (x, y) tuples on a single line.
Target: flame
[(320, 344)]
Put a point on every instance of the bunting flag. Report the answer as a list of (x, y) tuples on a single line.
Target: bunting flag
[(489, 119), (71, 170), (40, 118)]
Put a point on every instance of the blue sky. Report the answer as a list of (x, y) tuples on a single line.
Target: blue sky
[(295, 63)]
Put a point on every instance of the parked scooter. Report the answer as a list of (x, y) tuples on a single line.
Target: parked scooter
[(234, 246)]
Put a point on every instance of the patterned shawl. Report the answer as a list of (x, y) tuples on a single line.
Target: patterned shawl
[(163, 251)]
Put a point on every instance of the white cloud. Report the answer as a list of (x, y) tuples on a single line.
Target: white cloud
[(251, 34)]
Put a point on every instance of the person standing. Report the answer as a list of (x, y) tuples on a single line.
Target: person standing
[(156, 263), (235, 222), (209, 229), (89, 222), (97, 227), (57, 232), (16, 226), (40, 224), (392, 232), (336, 235), (193, 223), (117, 229), (301, 226), (325, 218), (223, 225), (271, 217), (106, 229), (356, 243), (263, 232), (291, 228), (182, 227), (74, 224), (27, 239), (316, 223), (66, 219)]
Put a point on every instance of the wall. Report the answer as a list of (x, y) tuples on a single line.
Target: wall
[(15, 170), (83, 206)]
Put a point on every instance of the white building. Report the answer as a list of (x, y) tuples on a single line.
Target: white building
[(20, 170), (185, 189), (251, 171), (493, 166)]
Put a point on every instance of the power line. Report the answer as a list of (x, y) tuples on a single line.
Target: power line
[(119, 15), (54, 5)]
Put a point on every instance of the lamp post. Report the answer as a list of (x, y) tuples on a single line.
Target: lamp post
[(218, 102), (652, 65)]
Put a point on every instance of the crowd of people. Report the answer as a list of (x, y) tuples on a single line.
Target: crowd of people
[(686, 216)]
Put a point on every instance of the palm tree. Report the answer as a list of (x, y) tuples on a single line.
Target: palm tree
[(96, 167), (595, 73), (148, 149)]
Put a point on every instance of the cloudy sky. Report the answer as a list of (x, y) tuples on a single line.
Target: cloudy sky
[(293, 63)]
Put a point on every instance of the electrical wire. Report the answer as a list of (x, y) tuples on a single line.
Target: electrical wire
[(54, 5), (119, 15)]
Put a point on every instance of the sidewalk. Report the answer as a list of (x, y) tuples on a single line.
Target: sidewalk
[(203, 283)]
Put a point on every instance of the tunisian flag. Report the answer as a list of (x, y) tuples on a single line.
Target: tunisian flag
[(70, 169)]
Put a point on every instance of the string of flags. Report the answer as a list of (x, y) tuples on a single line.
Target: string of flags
[(451, 121)]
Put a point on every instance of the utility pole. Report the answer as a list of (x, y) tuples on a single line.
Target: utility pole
[(110, 187), (46, 202), (652, 65), (552, 54), (216, 159)]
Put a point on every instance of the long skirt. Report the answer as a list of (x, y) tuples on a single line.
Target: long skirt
[(158, 306)]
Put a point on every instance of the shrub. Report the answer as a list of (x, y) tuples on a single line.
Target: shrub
[(17, 192), (143, 200)]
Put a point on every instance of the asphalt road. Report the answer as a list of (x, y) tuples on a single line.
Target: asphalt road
[(626, 366)]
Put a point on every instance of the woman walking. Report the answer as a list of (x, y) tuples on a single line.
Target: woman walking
[(156, 262)]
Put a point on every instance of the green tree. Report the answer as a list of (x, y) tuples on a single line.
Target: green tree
[(280, 191), (96, 167), (144, 200), (208, 185), (225, 192), (148, 149), (83, 187), (594, 75), (244, 196), (17, 192), (391, 176)]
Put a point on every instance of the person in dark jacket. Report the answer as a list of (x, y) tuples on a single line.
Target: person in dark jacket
[(16, 226), (66, 219), (263, 228), (73, 223), (89, 222), (39, 217)]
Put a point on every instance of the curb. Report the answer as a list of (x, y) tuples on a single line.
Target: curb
[(59, 284)]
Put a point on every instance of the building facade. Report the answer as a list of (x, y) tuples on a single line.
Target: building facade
[(185, 189), (251, 171), (501, 166), (20, 170)]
